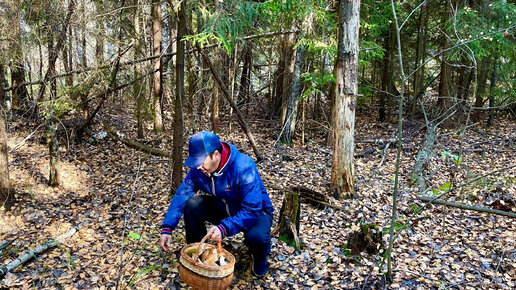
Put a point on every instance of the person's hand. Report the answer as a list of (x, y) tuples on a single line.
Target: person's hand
[(164, 242), (215, 234)]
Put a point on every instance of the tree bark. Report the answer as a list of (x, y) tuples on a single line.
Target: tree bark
[(215, 124), (99, 34), (387, 70), (289, 218), (138, 85), (6, 199), (177, 152), (84, 57), (287, 52), (420, 57), (2, 79), (66, 64), (156, 47), (19, 94), (490, 118), (245, 78), (444, 101), (346, 90), (483, 69), (289, 124)]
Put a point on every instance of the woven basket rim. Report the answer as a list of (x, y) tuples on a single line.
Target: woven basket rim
[(194, 264)]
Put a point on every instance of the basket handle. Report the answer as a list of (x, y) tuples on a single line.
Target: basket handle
[(200, 248)]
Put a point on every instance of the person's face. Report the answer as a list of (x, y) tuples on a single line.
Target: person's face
[(210, 164)]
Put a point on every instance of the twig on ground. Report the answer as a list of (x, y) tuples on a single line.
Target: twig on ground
[(24, 140), (497, 266)]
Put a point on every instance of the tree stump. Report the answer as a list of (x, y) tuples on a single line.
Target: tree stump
[(367, 238), (289, 217)]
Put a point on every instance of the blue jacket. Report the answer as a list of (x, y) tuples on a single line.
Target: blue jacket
[(239, 190)]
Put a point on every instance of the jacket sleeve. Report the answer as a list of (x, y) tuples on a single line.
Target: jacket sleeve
[(246, 217), (177, 205)]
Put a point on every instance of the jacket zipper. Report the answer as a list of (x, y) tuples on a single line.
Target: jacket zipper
[(223, 200)]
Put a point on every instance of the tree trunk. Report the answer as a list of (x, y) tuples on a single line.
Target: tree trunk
[(70, 53), (483, 69), (6, 199), (99, 34), (52, 141), (346, 90), (2, 80), (245, 78), (490, 118), (156, 50), (289, 124), (419, 74), (290, 59), (83, 35), (19, 93), (215, 125), (385, 94), (66, 64), (445, 99), (138, 85), (177, 173)]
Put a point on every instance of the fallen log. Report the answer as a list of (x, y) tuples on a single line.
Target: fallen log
[(39, 249), (467, 207), (137, 145), (307, 193)]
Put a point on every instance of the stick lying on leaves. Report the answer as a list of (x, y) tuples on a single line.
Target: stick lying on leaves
[(136, 145), (39, 249), (468, 207)]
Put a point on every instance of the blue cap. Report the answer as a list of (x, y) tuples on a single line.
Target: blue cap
[(200, 146)]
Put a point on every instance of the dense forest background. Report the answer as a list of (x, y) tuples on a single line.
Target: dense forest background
[(393, 122)]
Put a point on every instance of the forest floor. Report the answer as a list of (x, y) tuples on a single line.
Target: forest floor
[(112, 190)]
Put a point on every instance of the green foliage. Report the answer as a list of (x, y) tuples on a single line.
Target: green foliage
[(416, 208), (71, 261), (142, 273), (474, 22), (225, 24), (134, 235), (316, 82), (59, 106), (30, 191), (457, 160), (398, 226)]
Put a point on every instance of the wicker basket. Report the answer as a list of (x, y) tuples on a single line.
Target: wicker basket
[(202, 276)]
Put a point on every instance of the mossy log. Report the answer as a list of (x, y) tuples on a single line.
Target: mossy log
[(39, 249)]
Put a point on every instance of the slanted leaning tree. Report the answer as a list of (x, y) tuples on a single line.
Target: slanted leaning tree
[(346, 90)]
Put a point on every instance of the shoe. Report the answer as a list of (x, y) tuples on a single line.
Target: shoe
[(260, 268)]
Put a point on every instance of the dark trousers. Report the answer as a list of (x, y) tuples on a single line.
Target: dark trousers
[(200, 209)]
